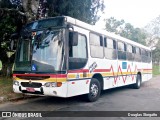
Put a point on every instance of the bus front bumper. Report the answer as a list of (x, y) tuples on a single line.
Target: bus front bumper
[(42, 90)]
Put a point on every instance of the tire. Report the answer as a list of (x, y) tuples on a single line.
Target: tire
[(137, 85), (94, 90)]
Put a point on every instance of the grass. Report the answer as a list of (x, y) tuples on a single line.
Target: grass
[(6, 89), (156, 70)]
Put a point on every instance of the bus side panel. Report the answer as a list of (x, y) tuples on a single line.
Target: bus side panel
[(78, 87), (146, 71), (126, 73), (150, 70), (109, 82), (104, 67)]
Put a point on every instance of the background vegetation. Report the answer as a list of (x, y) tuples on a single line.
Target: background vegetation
[(156, 70), (16, 13)]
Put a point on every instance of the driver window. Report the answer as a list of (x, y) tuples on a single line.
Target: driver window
[(78, 54)]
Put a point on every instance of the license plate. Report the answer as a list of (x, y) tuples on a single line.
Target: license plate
[(30, 89)]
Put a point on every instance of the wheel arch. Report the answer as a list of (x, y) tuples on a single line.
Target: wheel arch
[(99, 77)]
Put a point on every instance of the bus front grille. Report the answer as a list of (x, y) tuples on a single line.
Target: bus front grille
[(33, 77), (32, 84)]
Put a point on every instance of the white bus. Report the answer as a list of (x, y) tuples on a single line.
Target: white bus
[(65, 57)]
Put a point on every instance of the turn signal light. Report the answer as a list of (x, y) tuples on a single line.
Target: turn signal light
[(59, 84)]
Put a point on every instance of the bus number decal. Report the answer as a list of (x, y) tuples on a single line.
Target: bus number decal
[(92, 67)]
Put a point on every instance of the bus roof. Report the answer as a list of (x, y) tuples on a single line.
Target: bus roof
[(102, 32)]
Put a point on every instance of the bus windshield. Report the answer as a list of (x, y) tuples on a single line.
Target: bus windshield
[(40, 51)]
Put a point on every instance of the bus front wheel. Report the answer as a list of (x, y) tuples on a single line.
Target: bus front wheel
[(94, 90)]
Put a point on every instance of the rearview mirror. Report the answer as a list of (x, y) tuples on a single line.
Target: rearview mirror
[(73, 38), (14, 36)]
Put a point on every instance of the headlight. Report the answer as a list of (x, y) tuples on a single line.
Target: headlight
[(47, 84), (50, 84), (16, 83), (53, 84)]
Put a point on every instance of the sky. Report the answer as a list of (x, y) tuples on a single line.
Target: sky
[(137, 12)]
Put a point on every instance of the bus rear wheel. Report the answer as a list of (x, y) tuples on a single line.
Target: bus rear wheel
[(137, 85), (94, 90)]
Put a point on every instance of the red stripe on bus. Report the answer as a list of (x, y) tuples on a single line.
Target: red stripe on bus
[(102, 70), (85, 70), (61, 75), (144, 69), (51, 75), (147, 69), (78, 71)]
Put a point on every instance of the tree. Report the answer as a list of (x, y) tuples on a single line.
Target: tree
[(114, 25), (84, 10), (156, 53), (10, 22), (15, 13), (126, 30), (153, 38)]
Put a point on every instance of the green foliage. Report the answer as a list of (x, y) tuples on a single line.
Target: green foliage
[(126, 30), (156, 53), (84, 10), (7, 27), (153, 38), (156, 70), (113, 25), (5, 4)]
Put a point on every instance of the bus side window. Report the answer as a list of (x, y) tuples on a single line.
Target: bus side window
[(133, 49), (140, 51), (105, 42), (148, 54), (150, 57), (114, 44), (96, 45), (110, 48), (78, 54), (143, 55), (138, 54), (121, 51), (130, 54), (125, 47), (101, 41)]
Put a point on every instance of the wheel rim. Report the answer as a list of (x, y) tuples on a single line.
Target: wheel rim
[(94, 90)]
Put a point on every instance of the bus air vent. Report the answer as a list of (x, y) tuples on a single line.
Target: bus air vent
[(33, 77)]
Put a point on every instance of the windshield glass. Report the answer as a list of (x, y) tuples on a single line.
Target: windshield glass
[(40, 51)]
